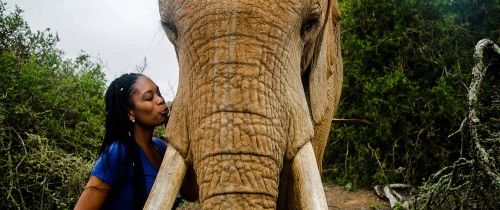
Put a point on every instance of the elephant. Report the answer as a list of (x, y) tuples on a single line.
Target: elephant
[(259, 83)]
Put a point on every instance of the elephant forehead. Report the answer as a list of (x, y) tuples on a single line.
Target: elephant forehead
[(185, 8), (241, 14)]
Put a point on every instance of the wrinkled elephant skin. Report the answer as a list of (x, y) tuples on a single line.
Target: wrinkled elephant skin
[(258, 80)]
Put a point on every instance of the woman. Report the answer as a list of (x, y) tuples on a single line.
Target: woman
[(129, 156)]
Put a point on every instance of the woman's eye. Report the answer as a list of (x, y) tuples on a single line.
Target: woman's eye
[(148, 97)]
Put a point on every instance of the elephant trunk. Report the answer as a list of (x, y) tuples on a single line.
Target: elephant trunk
[(238, 182), (237, 157)]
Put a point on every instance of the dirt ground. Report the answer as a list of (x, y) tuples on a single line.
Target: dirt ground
[(338, 198)]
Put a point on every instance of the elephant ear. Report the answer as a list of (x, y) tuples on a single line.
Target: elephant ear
[(325, 76)]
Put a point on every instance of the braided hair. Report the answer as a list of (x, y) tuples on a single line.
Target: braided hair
[(118, 102), (119, 128)]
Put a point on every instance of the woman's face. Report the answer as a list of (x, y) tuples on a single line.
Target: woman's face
[(148, 106)]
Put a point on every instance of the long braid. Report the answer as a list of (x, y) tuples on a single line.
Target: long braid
[(119, 128)]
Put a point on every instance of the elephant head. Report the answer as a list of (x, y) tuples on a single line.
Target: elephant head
[(259, 83)]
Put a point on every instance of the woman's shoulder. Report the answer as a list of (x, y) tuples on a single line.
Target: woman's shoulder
[(114, 151), (115, 146), (110, 163)]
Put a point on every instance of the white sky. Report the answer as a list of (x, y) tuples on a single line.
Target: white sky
[(118, 32)]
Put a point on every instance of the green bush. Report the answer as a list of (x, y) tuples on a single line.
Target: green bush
[(51, 117), (406, 69)]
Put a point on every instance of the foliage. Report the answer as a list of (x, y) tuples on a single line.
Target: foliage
[(51, 112), (406, 64)]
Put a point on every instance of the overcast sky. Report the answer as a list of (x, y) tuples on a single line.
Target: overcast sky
[(118, 32)]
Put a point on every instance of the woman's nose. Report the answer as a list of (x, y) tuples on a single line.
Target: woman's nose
[(161, 100)]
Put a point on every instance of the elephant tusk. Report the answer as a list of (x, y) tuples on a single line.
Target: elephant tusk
[(308, 185), (168, 181)]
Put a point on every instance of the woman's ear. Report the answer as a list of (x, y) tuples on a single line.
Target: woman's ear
[(131, 115), (325, 79)]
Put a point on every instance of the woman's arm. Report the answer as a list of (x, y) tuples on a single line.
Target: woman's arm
[(94, 194)]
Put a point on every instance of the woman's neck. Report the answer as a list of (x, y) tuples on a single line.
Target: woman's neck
[(143, 136)]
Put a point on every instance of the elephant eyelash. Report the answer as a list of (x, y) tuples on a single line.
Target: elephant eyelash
[(169, 26), (311, 22)]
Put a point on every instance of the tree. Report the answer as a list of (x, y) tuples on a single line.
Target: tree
[(406, 64), (51, 112)]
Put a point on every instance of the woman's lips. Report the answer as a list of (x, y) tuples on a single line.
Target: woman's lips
[(164, 112)]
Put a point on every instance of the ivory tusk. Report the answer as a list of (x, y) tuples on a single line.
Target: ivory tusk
[(168, 181), (308, 185)]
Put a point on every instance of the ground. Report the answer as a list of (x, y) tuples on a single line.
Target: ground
[(339, 198)]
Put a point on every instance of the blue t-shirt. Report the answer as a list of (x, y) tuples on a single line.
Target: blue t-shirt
[(108, 169)]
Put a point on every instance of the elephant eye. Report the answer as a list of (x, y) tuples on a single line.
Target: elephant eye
[(169, 28), (310, 23)]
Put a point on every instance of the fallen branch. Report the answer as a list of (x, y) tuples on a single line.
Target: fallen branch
[(473, 181), (395, 198), (478, 72), (351, 121)]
